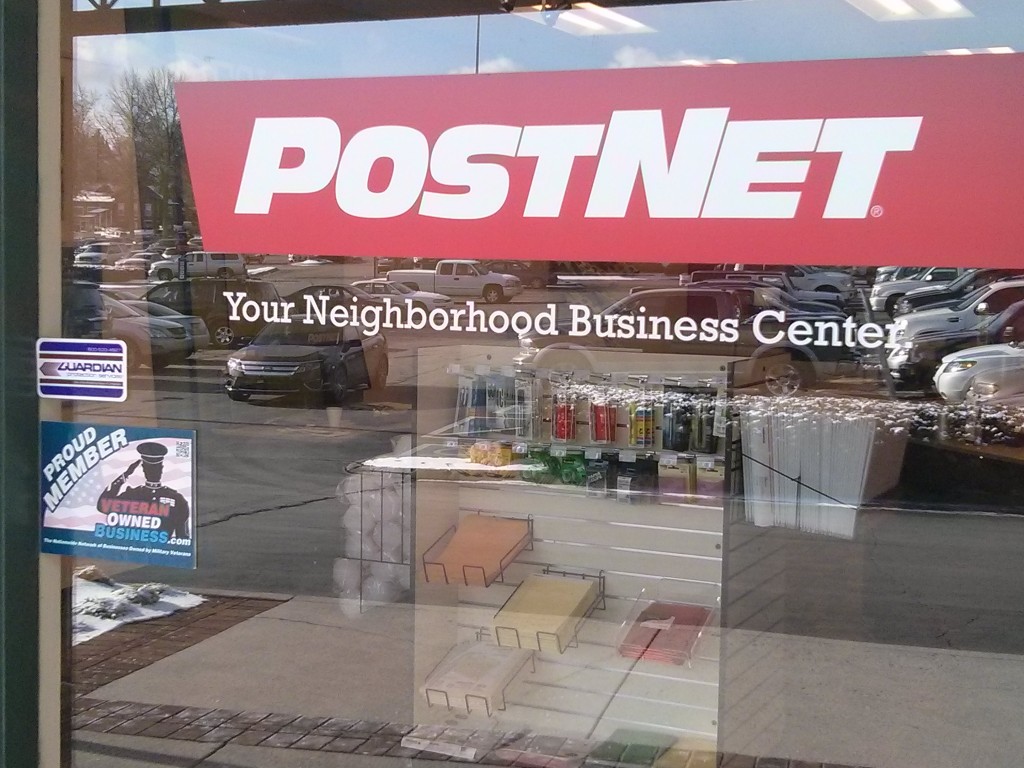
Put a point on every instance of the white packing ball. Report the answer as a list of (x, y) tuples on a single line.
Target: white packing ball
[(348, 574), (378, 591), (384, 572), (391, 505), (349, 605), (351, 486), (371, 505), (375, 534), (371, 550), (391, 542), (401, 443), (352, 546), (351, 521)]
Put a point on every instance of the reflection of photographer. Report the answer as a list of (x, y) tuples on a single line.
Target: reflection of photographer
[(176, 522)]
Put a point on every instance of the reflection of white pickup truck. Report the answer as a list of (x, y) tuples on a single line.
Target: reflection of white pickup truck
[(454, 277), (200, 264)]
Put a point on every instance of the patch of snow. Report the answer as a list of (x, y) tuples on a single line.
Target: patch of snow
[(99, 606)]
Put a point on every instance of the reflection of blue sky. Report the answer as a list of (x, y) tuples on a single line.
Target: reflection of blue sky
[(744, 30)]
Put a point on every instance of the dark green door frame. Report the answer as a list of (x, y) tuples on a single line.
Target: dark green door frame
[(19, 420)]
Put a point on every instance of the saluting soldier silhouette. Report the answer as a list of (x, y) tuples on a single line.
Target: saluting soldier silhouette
[(176, 523)]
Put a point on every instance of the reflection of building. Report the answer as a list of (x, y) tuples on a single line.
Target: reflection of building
[(94, 210)]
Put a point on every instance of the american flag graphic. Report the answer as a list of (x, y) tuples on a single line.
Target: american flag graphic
[(77, 510)]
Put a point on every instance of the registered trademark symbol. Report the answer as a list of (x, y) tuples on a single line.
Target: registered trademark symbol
[(877, 211)]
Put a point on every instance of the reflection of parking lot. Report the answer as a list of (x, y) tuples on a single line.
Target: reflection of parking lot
[(863, 376), (292, 278)]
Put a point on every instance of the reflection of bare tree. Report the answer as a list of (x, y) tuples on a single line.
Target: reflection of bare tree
[(143, 124), (91, 153)]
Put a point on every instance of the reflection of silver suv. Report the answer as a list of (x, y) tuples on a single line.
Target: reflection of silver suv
[(200, 264), (885, 296), (823, 280), (969, 313), (204, 298), (83, 310), (108, 253), (809, 278), (150, 340)]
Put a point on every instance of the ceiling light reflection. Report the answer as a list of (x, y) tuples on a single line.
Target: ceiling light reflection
[(948, 6), (618, 18)]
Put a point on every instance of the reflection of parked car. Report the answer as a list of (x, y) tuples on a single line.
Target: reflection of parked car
[(885, 274), (786, 367), (199, 334), (110, 252), (90, 259), (807, 278), (385, 264), (969, 313), (1003, 386), (307, 261), (884, 296), (133, 262), (913, 362), (204, 297), (83, 310), (309, 359), (399, 294), (148, 339), (773, 277), (336, 294), (775, 297), (161, 245), (948, 294), (532, 274), (174, 251), (200, 264), (960, 370), (463, 278)]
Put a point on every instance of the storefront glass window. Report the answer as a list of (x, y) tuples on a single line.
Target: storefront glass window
[(489, 405)]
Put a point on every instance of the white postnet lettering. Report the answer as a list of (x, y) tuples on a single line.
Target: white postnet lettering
[(487, 183), (863, 143), (635, 145), (556, 148), (740, 165), (709, 174), (319, 139), (407, 149)]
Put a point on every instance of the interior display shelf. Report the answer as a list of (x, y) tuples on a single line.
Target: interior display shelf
[(446, 438), (575, 689), (683, 479), (663, 626), (551, 501), (546, 610), (616, 378), (665, 632), (477, 550), (475, 672), (618, 474)]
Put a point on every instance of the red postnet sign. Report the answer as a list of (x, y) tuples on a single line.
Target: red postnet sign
[(880, 161)]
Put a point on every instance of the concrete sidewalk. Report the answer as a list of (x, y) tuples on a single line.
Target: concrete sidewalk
[(254, 683), (291, 682), (299, 681)]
